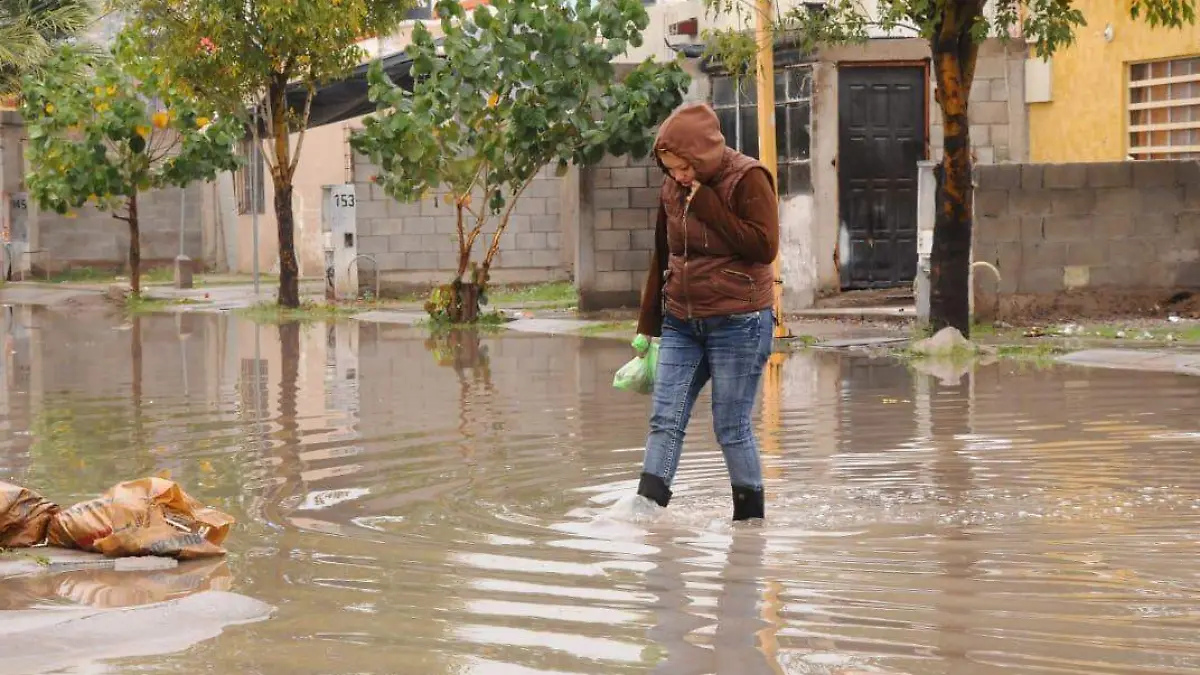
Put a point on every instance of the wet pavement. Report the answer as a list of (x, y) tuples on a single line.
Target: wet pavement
[(460, 505)]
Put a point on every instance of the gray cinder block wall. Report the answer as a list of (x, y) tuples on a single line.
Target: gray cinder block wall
[(999, 127), (1085, 239), (93, 238), (416, 244), (618, 207)]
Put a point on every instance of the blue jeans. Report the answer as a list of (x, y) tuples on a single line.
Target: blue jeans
[(729, 350)]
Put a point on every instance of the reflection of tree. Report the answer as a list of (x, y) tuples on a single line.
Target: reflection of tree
[(462, 349), (958, 556), (78, 446), (288, 433), (135, 357)]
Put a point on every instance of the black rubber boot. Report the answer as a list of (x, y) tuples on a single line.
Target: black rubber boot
[(748, 503), (655, 489)]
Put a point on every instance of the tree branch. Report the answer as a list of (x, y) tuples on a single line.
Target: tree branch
[(495, 246), (166, 151), (308, 99)]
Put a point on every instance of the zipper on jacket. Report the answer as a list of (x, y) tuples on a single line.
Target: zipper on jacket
[(687, 293)]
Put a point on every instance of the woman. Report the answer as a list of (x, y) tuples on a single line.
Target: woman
[(709, 296)]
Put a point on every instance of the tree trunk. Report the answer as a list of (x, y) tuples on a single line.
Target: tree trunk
[(954, 54), (289, 269), (135, 247)]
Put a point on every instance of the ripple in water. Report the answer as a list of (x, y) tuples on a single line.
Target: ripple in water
[(466, 506)]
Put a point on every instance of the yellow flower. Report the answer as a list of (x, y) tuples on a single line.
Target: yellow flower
[(49, 108), (160, 119), (493, 100), (111, 90), (101, 107), (142, 131), (201, 122)]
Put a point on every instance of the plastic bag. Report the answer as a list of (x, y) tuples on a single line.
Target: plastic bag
[(24, 516), (638, 375), (148, 516)]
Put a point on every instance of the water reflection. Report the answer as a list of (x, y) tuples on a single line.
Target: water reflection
[(108, 588), (452, 504)]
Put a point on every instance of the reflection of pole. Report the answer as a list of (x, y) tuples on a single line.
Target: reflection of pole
[(183, 337), (255, 178)]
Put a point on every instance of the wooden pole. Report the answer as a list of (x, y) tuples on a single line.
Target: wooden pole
[(765, 77)]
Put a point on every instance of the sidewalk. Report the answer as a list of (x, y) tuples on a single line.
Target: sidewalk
[(1144, 360)]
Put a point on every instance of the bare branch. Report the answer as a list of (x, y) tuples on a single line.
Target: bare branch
[(166, 150)]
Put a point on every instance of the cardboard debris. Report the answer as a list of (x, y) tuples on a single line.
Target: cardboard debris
[(148, 516), (24, 516)]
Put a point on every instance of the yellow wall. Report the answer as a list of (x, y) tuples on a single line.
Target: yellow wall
[(1086, 119)]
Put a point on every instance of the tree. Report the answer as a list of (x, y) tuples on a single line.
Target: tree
[(242, 53), (29, 32), (103, 129), (954, 29), (519, 84)]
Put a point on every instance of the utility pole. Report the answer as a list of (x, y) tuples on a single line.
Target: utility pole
[(256, 178), (765, 79)]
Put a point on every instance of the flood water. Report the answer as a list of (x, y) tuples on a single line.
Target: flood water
[(436, 508)]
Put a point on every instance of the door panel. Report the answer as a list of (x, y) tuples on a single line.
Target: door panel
[(881, 137)]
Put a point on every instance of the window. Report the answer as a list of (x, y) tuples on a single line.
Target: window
[(1164, 109), (250, 188), (736, 102), (421, 11)]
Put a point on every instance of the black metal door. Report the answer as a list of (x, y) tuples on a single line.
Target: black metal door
[(881, 137)]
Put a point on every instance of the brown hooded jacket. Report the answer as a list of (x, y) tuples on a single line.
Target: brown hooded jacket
[(715, 256)]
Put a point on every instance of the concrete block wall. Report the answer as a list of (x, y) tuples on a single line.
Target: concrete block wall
[(416, 244), (1085, 239), (622, 193), (999, 127), (93, 238)]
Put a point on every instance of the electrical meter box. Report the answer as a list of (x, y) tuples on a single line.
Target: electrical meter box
[(339, 234)]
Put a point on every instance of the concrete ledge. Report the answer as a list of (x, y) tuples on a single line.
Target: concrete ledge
[(899, 313), (40, 641), (1136, 359)]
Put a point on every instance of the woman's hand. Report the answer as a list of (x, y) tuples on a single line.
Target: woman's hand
[(641, 344)]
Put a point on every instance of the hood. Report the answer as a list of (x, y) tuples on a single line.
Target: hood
[(693, 132)]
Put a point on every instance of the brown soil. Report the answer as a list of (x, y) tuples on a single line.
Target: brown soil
[(1090, 305), (875, 297)]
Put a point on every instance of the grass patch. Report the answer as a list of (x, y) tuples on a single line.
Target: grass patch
[(1188, 332), (441, 328), (1036, 352), (93, 275), (308, 312), (82, 275), (41, 560), (559, 294), (141, 304), (607, 327)]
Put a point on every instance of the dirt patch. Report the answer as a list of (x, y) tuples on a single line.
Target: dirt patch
[(1088, 305), (875, 297)]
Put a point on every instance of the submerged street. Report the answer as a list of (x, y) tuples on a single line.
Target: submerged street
[(412, 504)]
